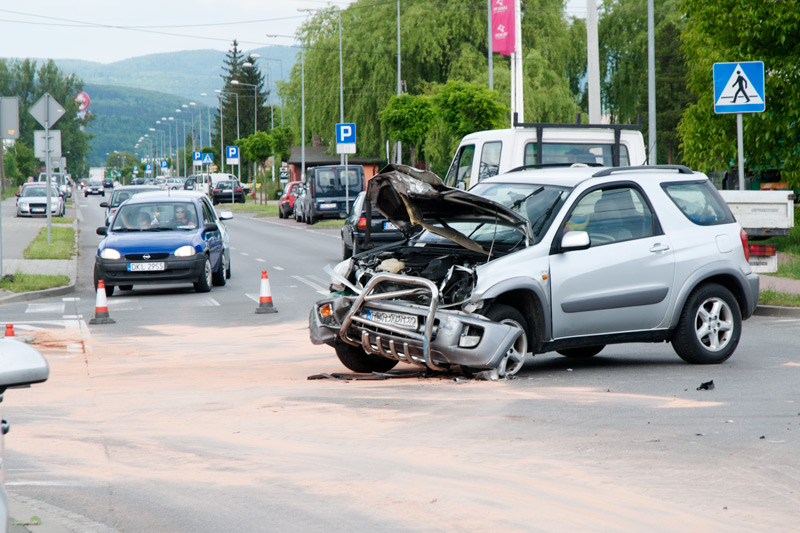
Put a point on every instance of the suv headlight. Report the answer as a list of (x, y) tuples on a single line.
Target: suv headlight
[(110, 253), (185, 251)]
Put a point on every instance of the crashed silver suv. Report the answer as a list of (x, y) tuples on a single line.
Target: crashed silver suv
[(559, 259)]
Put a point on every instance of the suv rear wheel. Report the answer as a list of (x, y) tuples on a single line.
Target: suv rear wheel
[(710, 326), (583, 352)]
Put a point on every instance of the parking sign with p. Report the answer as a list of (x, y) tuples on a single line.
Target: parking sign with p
[(232, 155)]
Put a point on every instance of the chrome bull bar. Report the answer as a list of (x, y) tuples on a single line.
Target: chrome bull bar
[(403, 354)]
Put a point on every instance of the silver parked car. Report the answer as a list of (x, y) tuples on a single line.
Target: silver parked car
[(560, 259), (32, 201)]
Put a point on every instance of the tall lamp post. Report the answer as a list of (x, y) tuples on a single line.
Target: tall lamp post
[(221, 137), (184, 140), (208, 108), (187, 108), (236, 83), (199, 123)]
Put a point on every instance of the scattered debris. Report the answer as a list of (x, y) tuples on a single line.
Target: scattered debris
[(708, 385), (488, 375), (762, 437), (9, 278), (729, 421), (374, 376)]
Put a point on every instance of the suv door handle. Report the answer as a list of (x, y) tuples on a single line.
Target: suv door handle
[(658, 247)]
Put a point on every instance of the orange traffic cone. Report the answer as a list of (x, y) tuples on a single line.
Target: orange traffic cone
[(265, 296), (101, 315), (10, 330)]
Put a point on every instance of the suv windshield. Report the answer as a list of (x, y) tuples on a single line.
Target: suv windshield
[(331, 182), (538, 203)]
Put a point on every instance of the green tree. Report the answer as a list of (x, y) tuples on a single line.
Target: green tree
[(28, 81), (623, 57), (468, 107), (407, 119), (727, 31), (448, 43), (281, 138)]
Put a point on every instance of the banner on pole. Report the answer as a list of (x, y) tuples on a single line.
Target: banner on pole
[(503, 34)]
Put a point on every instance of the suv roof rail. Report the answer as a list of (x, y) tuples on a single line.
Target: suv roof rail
[(554, 165), (680, 168)]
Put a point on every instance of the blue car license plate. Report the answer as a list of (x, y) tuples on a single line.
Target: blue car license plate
[(145, 267)]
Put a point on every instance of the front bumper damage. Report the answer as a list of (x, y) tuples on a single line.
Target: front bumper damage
[(441, 338)]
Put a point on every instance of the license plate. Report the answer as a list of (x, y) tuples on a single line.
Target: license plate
[(145, 267), (395, 319), (37, 210), (327, 206), (389, 226)]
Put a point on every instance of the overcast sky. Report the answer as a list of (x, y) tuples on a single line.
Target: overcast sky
[(112, 30)]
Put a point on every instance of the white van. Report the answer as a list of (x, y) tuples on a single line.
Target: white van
[(486, 153)]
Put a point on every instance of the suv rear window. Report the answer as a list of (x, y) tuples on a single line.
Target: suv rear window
[(700, 202)]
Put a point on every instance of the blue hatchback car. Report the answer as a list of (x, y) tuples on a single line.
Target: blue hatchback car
[(164, 237)]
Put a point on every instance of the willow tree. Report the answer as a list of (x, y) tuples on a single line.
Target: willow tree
[(440, 42)]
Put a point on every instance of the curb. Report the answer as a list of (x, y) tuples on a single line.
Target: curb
[(777, 311)]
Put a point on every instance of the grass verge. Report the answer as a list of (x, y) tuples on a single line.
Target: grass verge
[(250, 207), (62, 244), (21, 282), (768, 297), (336, 223)]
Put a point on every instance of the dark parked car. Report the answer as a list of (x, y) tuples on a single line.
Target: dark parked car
[(164, 237), (300, 204), (108, 183), (286, 201), (354, 230), (229, 191)]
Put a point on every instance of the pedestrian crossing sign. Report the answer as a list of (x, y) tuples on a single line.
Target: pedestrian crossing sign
[(208, 159), (739, 87)]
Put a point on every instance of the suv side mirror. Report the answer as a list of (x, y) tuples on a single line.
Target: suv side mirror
[(575, 240)]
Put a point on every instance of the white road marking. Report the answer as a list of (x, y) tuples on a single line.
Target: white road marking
[(45, 308), (70, 299), (260, 260), (322, 290), (275, 267), (255, 297), (243, 253), (208, 301), (318, 279), (72, 316), (125, 304)]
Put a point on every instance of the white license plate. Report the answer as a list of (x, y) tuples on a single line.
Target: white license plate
[(395, 319), (145, 267), (389, 226), (327, 206), (37, 210)]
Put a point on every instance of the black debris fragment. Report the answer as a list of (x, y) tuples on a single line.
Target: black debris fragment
[(708, 385), (762, 437)]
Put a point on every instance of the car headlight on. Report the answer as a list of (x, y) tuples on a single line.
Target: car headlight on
[(185, 251), (110, 253)]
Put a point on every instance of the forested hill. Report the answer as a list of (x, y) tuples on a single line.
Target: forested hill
[(123, 114)]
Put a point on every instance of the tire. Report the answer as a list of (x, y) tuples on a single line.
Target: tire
[(228, 270), (280, 213), (126, 287), (218, 277), (109, 288), (710, 326), (583, 352), (347, 252), (515, 357), (204, 283), (357, 360), (86, 195)]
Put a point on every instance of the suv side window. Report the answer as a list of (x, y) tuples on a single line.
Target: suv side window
[(490, 159), (612, 215), (459, 173), (699, 202)]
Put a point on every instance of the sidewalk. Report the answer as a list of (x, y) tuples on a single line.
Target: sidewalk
[(17, 234)]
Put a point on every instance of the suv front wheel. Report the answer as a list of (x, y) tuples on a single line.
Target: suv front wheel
[(709, 327)]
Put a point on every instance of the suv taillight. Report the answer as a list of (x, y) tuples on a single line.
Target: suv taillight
[(362, 223), (743, 235)]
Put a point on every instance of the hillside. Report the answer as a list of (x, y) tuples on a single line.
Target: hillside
[(123, 114), (127, 97)]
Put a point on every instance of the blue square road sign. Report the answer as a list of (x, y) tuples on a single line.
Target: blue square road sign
[(739, 87), (346, 133)]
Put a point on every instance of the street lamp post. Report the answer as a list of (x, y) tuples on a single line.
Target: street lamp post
[(208, 108), (186, 107), (255, 118), (177, 149), (199, 123), (220, 92)]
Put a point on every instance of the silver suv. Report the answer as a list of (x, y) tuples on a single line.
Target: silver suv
[(557, 259)]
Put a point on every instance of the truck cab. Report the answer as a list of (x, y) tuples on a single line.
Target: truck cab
[(487, 153)]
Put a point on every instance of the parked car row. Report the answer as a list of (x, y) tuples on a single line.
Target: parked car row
[(327, 192)]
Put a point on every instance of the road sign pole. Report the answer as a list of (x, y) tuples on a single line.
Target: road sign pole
[(740, 149), (47, 157)]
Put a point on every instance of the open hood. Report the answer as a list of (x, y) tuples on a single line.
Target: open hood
[(408, 196)]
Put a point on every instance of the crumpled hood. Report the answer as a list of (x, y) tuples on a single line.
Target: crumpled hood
[(408, 196)]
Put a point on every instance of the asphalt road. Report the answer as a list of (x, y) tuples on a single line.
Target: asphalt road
[(192, 413)]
